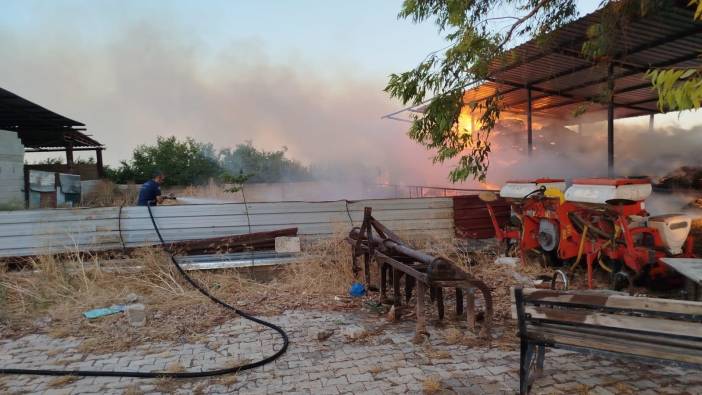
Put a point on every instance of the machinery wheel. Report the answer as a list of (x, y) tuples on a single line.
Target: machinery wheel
[(559, 281), (620, 281)]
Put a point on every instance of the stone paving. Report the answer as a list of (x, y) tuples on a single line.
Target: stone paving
[(386, 361)]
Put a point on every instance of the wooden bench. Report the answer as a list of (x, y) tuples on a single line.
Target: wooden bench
[(605, 323)]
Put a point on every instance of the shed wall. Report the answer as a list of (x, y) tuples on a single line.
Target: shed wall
[(11, 170)]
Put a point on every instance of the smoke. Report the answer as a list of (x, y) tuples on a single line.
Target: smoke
[(147, 80), (151, 80), (572, 151)]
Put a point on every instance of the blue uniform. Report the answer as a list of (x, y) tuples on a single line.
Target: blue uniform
[(148, 193)]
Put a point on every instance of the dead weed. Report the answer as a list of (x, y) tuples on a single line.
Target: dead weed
[(431, 385), (61, 381)]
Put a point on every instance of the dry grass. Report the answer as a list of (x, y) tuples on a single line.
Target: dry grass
[(211, 191), (437, 354), (453, 336), (175, 367), (229, 379), (61, 381), (167, 385), (62, 289), (431, 385), (133, 390), (109, 194)]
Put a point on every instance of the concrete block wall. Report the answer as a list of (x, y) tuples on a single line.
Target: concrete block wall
[(11, 170)]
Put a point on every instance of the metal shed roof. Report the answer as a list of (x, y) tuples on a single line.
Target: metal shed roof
[(561, 78), (38, 127)]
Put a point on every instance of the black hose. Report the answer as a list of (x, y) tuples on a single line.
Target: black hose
[(176, 375)]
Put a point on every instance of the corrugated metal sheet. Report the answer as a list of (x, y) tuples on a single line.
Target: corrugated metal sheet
[(34, 232), (556, 68), (471, 217), (70, 183), (42, 181)]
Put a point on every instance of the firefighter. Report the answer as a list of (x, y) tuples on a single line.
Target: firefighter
[(150, 192)]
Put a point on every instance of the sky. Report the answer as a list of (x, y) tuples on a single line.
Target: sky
[(306, 75)]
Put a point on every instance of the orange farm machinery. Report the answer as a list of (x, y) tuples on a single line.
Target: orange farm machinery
[(594, 222)]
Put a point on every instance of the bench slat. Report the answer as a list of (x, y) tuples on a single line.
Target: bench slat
[(581, 340), (614, 301), (655, 325), (662, 340)]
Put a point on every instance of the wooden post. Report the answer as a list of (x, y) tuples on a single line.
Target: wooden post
[(396, 297), (421, 312), (98, 162), (530, 143), (367, 256), (459, 302), (383, 282), (610, 120), (470, 308), (440, 302), (366, 269), (650, 122), (409, 284)]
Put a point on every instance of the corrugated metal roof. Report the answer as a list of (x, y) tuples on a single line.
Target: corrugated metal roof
[(561, 78), (39, 127)]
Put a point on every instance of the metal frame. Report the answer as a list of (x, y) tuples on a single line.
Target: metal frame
[(421, 271), (532, 350)]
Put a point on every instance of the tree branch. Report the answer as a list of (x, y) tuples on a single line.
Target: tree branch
[(521, 20)]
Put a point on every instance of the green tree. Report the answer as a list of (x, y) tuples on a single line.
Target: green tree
[(57, 160), (186, 162), (679, 88), (261, 165), (475, 44)]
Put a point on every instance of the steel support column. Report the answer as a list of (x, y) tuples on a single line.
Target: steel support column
[(529, 130), (98, 163), (69, 155), (610, 120)]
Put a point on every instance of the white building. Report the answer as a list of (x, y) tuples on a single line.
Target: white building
[(11, 171)]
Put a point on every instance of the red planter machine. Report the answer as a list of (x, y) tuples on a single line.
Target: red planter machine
[(596, 221)]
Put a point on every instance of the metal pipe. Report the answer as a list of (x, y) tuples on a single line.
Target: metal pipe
[(393, 246), (610, 120), (529, 129)]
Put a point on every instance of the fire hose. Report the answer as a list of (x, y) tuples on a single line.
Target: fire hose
[(177, 375)]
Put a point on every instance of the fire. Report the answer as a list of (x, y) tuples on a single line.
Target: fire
[(467, 122), (488, 185)]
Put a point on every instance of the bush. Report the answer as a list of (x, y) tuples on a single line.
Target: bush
[(184, 162)]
